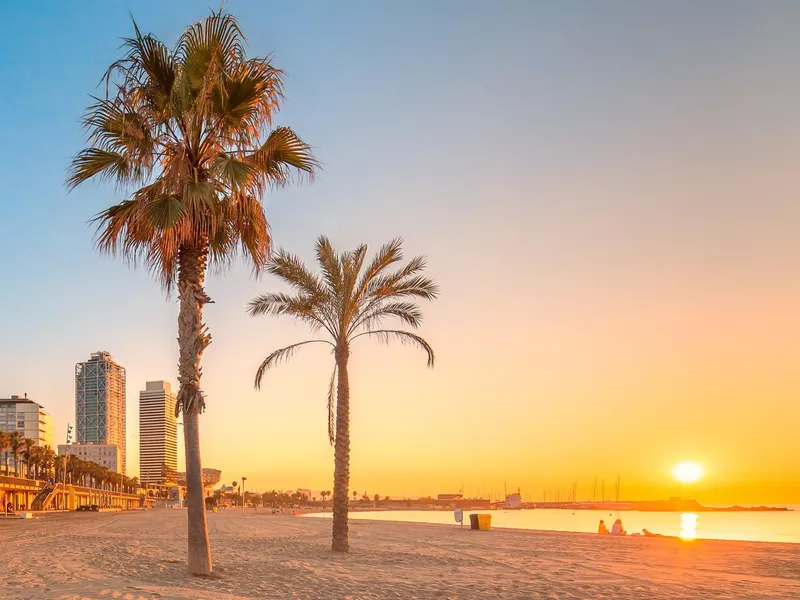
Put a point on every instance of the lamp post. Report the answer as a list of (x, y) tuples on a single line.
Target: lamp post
[(243, 480), (66, 458)]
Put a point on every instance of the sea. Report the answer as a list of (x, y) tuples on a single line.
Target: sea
[(749, 526)]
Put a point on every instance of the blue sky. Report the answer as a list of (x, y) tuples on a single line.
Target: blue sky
[(607, 193)]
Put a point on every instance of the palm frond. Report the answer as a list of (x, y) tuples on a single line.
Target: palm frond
[(281, 355), (164, 211), (388, 255), (408, 312), (294, 272), (246, 99), (282, 149), (149, 66), (234, 174), (404, 337), (352, 262), (105, 163), (303, 308), (113, 126), (331, 266), (250, 223)]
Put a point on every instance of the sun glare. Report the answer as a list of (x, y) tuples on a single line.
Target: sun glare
[(687, 471)]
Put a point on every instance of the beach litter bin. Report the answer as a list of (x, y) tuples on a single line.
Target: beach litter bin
[(484, 522), (473, 521)]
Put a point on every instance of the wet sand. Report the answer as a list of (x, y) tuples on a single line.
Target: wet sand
[(141, 555)]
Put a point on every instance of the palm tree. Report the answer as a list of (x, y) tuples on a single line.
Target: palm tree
[(34, 460), (47, 460), (347, 301), (16, 442), (3, 449), (187, 129), (26, 455)]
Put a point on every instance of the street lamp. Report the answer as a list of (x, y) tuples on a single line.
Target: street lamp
[(243, 480), (66, 458)]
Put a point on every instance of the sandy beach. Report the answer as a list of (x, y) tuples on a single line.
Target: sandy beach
[(141, 555)]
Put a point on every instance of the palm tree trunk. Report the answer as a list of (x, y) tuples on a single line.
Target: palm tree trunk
[(341, 473), (193, 339)]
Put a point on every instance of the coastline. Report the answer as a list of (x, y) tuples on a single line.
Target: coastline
[(142, 556), (767, 527)]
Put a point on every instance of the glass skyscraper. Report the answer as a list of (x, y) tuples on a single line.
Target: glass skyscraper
[(100, 403)]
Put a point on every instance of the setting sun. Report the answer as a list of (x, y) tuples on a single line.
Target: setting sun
[(687, 471)]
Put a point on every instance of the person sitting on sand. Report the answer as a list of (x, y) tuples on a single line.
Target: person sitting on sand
[(658, 535), (602, 530), (616, 528)]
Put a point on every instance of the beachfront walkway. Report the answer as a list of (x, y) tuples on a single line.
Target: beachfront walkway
[(142, 556)]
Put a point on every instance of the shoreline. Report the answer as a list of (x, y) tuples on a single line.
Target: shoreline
[(665, 526), (558, 531), (141, 555)]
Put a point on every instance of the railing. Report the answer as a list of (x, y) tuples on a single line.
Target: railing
[(44, 497)]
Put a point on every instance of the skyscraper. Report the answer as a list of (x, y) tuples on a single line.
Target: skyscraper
[(158, 432), (100, 403)]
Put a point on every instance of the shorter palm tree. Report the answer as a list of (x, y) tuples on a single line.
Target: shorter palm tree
[(4, 449), (26, 455), (15, 443), (348, 301)]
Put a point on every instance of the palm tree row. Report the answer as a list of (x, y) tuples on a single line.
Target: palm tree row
[(42, 463), (186, 132), (24, 451)]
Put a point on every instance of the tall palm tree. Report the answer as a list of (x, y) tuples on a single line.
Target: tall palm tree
[(188, 130), (15, 443), (348, 301)]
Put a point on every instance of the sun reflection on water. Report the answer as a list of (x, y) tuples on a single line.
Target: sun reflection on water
[(688, 526)]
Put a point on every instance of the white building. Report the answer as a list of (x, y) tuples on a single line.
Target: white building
[(105, 455), (158, 431), (29, 418)]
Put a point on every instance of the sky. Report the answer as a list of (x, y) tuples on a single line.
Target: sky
[(607, 194)]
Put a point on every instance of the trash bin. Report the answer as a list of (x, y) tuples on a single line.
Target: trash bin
[(473, 521), (484, 522)]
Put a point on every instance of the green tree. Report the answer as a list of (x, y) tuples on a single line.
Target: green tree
[(26, 455), (16, 442), (348, 301), (4, 438), (47, 461), (187, 130)]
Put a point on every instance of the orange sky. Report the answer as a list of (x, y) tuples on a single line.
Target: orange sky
[(608, 197)]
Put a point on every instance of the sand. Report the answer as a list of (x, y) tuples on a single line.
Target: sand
[(141, 555)]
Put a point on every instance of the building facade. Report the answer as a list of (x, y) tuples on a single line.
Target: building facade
[(30, 419), (100, 404), (158, 432), (105, 455)]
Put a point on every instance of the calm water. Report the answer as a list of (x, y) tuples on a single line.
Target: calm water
[(753, 526)]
